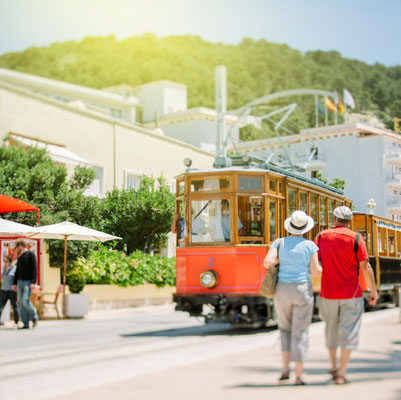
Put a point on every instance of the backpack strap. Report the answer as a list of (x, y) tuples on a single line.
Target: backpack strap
[(356, 247), (356, 244)]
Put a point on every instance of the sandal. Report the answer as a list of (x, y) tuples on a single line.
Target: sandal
[(299, 382), (333, 373), (284, 376), (340, 380)]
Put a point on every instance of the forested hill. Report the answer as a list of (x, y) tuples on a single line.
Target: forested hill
[(254, 68)]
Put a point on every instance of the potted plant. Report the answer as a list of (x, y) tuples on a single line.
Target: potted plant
[(76, 304)]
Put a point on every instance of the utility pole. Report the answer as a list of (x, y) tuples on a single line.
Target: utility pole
[(221, 108)]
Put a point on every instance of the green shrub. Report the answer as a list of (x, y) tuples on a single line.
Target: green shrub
[(76, 279), (106, 266)]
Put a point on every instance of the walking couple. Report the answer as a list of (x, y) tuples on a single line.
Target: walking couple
[(338, 254)]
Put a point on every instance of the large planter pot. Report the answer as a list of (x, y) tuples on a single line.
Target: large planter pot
[(76, 305)]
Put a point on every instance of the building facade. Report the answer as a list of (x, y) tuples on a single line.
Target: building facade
[(366, 157)]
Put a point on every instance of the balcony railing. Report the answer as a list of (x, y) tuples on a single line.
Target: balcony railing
[(394, 202), (393, 158)]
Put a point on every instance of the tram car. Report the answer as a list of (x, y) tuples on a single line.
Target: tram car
[(228, 219), (383, 243)]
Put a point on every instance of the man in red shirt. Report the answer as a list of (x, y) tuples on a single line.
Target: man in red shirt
[(341, 302)]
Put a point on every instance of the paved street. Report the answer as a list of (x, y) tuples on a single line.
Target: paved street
[(154, 352)]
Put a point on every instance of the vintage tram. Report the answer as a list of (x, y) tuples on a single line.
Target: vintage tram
[(228, 219), (383, 243)]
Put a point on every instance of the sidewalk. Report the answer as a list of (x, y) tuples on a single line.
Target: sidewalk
[(374, 371)]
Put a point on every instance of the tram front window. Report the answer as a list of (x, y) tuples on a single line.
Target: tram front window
[(213, 221)]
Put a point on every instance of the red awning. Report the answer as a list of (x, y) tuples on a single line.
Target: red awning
[(9, 204)]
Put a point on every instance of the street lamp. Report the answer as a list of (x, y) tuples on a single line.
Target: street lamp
[(371, 206)]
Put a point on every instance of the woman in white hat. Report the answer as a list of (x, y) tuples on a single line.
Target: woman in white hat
[(293, 299)]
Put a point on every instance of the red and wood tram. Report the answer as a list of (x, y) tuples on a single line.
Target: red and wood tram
[(228, 219)]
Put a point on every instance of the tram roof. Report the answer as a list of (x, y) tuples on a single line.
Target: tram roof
[(267, 168)]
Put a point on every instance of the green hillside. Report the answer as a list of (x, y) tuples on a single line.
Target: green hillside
[(255, 68)]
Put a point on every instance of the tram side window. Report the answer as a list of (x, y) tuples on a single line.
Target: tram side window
[(250, 184), (322, 213), (180, 223), (314, 214), (180, 188), (331, 216), (292, 200), (303, 201), (391, 243), (250, 213), (272, 220), (210, 184), (381, 236), (272, 185), (211, 221)]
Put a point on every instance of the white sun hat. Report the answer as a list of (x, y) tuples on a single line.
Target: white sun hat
[(299, 223), (343, 212)]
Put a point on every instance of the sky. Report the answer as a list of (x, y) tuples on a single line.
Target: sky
[(367, 30)]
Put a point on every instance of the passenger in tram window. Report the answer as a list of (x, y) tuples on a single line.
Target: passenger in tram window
[(293, 299), (221, 224), (198, 225), (343, 254)]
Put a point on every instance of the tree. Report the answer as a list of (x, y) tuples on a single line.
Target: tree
[(29, 174), (141, 217), (337, 183), (255, 68)]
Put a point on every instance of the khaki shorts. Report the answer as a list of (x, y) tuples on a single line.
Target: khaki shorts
[(343, 321)]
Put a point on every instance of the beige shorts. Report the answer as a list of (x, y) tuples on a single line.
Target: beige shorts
[(343, 321)]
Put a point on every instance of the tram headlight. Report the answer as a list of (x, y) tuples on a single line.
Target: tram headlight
[(187, 162), (209, 279)]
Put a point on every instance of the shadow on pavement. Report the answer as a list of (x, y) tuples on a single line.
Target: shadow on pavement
[(217, 329)]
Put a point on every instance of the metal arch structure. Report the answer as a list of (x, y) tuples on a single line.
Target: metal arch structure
[(284, 93), (224, 135)]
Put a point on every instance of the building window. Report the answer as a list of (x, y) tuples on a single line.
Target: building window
[(315, 150), (313, 174), (395, 192), (116, 113), (96, 187), (132, 181)]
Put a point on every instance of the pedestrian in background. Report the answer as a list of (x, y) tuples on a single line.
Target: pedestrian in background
[(24, 282), (6, 291), (343, 254), (293, 300)]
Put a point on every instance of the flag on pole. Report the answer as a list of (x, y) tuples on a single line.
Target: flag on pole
[(348, 99), (330, 105), (319, 106), (340, 107)]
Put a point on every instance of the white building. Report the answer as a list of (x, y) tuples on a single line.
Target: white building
[(90, 127), (366, 157), (162, 105)]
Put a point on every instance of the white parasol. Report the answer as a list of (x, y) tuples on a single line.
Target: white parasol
[(11, 228), (70, 231)]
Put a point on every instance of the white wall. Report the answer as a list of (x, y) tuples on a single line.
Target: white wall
[(92, 138), (200, 132), (161, 98), (357, 160)]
